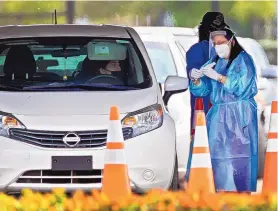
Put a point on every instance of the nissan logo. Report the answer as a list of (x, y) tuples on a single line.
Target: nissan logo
[(71, 139)]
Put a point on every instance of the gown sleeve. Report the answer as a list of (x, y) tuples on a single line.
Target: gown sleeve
[(202, 89), (241, 77), (195, 57)]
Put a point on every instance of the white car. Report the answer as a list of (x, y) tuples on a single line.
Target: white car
[(54, 116), (167, 60), (267, 85)]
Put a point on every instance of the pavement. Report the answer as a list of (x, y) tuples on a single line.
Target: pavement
[(259, 185)]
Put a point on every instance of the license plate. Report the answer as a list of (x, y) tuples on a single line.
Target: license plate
[(70, 163)]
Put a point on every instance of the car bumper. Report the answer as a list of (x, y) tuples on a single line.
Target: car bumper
[(16, 188), (150, 158)]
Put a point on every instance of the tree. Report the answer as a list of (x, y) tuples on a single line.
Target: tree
[(30, 12), (244, 11), (259, 14), (70, 5), (238, 14), (99, 10)]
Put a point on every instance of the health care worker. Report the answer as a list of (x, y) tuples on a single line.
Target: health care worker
[(232, 120), (196, 57)]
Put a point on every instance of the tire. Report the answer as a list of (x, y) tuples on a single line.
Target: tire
[(175, 180)]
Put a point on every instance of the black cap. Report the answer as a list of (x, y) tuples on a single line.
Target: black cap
[(214, 20)]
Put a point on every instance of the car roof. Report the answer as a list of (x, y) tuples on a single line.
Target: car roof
[(182, 31), (149, 30), (62, 30), (156, 38), (165, 30), (154, 34)]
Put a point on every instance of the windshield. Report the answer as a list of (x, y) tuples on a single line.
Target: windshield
[(186, 41), (162, 60), (62, 62)]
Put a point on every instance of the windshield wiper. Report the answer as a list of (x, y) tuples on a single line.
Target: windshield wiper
[(80, 86), (10, 88)]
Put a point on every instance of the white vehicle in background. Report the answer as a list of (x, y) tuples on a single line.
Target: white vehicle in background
[(267, 85), (167, 60), (185, 37)]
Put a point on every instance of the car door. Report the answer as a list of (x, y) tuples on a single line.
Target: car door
[(181, 101)]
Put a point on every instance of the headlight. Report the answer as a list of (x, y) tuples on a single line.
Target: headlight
[(144, 120), (7, 122)]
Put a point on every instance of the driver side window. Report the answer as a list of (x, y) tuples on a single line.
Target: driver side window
[(2, 61), (137, 70)]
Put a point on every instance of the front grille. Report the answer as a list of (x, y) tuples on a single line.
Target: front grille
[(54, 139), (61, 177)]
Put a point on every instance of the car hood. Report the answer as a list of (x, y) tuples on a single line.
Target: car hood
[(75, 103)]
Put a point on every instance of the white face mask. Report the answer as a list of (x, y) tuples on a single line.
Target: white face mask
[(223, 50)]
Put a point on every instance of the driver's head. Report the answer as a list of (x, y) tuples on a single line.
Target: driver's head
[(110, 67), (113, 66)]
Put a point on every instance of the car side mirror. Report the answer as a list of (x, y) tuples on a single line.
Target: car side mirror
[(174, 85)]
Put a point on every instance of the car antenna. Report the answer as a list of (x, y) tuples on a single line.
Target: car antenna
[(55, 16)]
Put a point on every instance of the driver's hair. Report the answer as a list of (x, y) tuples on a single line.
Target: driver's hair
[(93, 66), (100, 64)]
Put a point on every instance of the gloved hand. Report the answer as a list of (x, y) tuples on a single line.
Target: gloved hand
[(209, 72), (195, 74)]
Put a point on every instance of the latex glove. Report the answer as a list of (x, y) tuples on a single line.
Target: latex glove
[(195, 74), (210, 72)]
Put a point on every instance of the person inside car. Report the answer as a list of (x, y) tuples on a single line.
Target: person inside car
[(111, 68), (91, 69)]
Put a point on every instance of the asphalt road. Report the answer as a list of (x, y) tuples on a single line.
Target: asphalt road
[(259, 185)]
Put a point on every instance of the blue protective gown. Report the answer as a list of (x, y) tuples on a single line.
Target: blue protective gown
[(232, 124), (196, 57)]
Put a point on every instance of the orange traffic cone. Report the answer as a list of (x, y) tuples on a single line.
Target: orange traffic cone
[(115, 181), (199, 107), (270, 170), (201, 174)]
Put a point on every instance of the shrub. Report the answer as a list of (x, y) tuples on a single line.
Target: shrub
[(155, 200)]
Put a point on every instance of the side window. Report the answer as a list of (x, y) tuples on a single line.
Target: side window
[(2, 61), (182, 51), (182, 56), (137, 67)]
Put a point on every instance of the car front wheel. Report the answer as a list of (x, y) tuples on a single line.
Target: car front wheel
[(175, 180)]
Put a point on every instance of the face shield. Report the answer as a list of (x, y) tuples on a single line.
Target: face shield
[(212, 49)]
